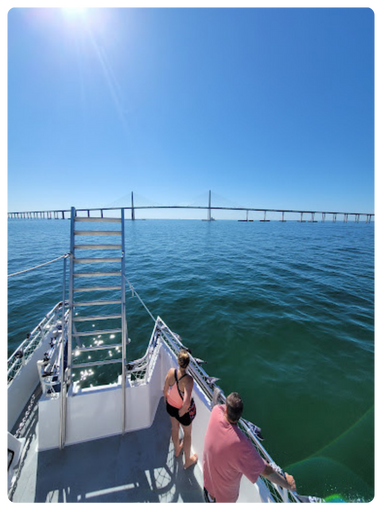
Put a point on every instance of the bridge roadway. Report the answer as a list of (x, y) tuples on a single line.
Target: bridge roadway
[(93, 212)]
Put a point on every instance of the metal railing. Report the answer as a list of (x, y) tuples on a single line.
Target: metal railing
[(215, 395), (32, 342)]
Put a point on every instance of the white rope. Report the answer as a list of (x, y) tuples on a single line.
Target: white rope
[(136, 293), (45, 263)]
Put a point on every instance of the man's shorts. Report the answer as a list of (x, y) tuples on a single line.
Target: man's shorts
[(207, 497)]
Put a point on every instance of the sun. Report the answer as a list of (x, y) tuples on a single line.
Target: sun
[(73, 12)]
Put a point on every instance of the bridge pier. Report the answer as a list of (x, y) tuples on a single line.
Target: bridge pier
[(265, 217), (313, 220), (132, 207), (301, 216), (246, 218), (334, 217), (282, 217)]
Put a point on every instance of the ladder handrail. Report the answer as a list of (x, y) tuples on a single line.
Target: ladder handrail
[(124, 324), (66, 374), (71, 286), (62, 362)]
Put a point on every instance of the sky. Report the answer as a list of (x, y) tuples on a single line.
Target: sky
[(266, 107)]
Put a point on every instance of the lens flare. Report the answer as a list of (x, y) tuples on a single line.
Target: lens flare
[(73, 12)]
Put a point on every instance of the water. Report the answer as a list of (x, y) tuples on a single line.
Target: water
[(282, 312)]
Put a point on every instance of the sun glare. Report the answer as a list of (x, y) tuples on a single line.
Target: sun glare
[(73, 12)]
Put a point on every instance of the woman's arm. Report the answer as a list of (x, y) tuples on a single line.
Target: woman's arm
[(167, 382), (189, 384)]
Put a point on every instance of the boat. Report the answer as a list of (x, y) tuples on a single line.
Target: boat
[(108, 442)]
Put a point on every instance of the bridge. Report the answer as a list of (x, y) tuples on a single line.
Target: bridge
[(303, 215)]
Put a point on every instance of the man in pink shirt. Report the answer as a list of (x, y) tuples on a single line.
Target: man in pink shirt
[(229, 454)]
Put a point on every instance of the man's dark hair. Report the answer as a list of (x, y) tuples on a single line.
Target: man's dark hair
[(234, 407)]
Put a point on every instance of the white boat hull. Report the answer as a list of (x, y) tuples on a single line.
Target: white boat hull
[(94, 418), (23, 374)]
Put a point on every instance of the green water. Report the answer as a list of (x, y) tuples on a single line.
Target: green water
[(283, 313)]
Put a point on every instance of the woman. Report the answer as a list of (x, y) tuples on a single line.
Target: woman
[(181, 408)]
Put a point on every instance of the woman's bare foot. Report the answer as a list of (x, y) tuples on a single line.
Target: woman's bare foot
[(178, 450), (192, 460)]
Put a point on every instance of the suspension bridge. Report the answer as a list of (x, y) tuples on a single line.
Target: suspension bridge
[(283, 214)]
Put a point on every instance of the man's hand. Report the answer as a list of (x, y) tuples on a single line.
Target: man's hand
[(275, 477), (291, 482)]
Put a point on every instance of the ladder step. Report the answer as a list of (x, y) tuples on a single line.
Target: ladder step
[(104, 273), (96, 363), (99, 332), (96, 318), (96, 260), (96, 303), (97, 233), (102, 347), (97, 219), (91, 289), (98, 247)]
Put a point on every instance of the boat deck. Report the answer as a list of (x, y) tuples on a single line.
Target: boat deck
[(136, 467)]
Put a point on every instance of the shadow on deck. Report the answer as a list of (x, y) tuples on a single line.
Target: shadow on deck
[(137, 467)]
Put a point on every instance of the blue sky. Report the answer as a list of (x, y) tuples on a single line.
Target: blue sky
[(267, 108)]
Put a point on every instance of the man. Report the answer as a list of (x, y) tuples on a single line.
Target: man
[(229, 454)]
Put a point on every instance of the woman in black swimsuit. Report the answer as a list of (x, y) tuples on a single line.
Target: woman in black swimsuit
[(181, 408)]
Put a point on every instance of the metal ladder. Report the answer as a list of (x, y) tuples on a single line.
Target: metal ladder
[(82, 319)]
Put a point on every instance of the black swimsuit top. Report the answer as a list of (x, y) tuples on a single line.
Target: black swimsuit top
[(181, 393)]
